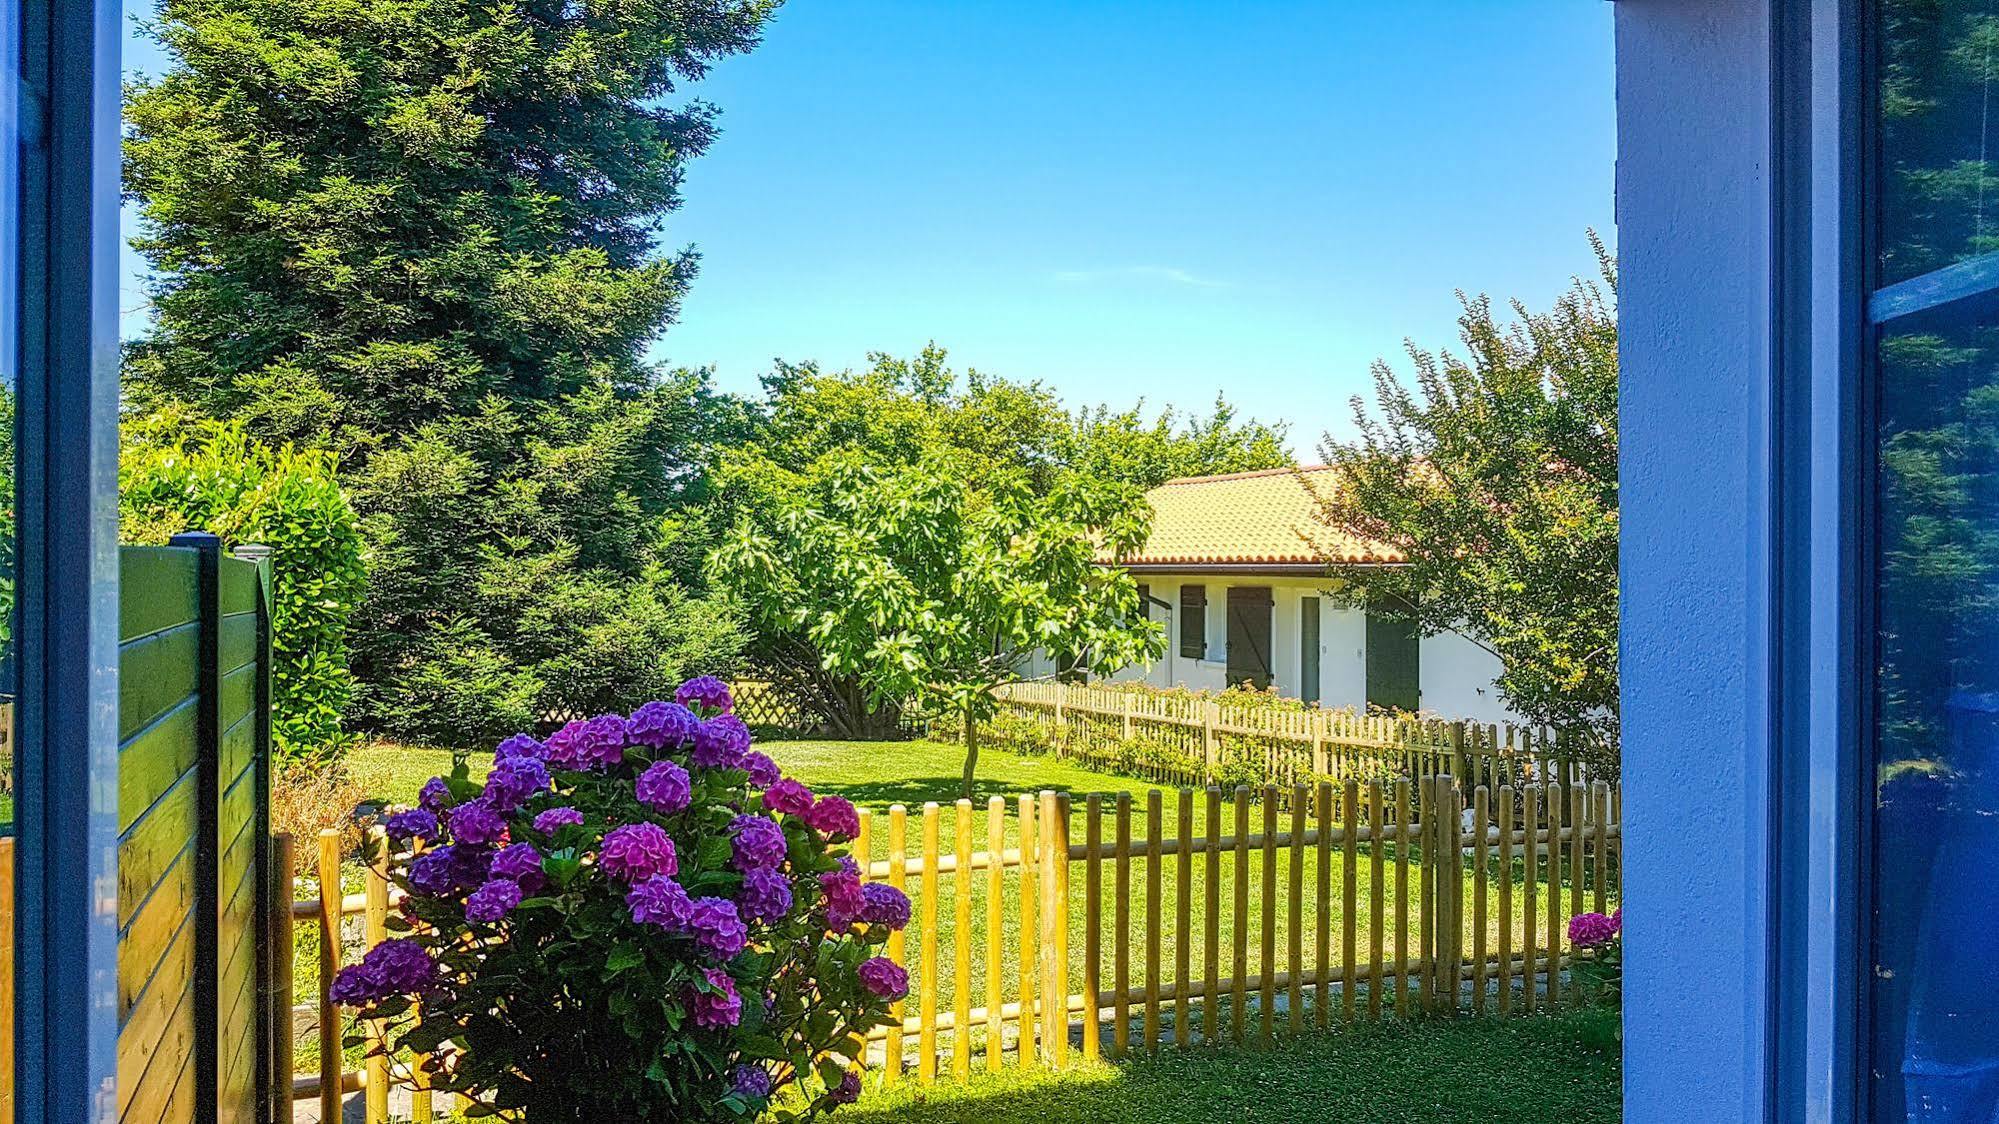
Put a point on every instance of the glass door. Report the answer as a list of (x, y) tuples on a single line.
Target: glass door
[(1933, 1008)]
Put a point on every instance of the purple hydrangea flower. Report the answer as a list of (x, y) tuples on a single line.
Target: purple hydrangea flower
[(707, 692), (435, 794), (394, 967), (493, 900), (721, 743), (520, 863), (884, 978), (1591, 930), (513, 780), (788, 797), (595, 743), (720, 1009), (835, 818), (451, 869), (416, 823), (660, 901), (638, 851), (844, 902), (750, 1082), (662, 725), (759, 843), (847, 1091), (766, 896), (763, 771), (665, 788), (554, 819), (521, 745), (884, 905), (477, 824), (718, 929)]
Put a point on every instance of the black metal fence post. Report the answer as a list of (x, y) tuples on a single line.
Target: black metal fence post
[(208, 838)]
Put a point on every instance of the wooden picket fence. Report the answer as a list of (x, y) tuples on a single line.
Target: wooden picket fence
[(1292, 908), (1089, 952), (1178, 737)]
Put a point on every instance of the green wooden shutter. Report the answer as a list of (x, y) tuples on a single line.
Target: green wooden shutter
[(1394, 658)]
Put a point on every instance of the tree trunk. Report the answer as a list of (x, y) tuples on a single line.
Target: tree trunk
[(971, 748)]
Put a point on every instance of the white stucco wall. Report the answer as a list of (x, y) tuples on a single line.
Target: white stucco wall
[(1457, 680)]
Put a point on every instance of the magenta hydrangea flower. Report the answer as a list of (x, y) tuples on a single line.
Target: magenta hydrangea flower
[(477, 824), (665, 788), (789, 798), (847, 1091), (493, 900), (707, 692), (717, 927), (594, 743), (521, 745), (884, 905), (721, 743), (884, 978), (555, 819), (766, 896), (662, 725), (1591, 930), (660, 901), (415, 823), (763, 771), (750, 1082), (844, 901), (435, 794), (719, 1009), (758, 843), (835, 818), (513, 780), (1617, 918), (638, 851), (520, 863), (395, 967)]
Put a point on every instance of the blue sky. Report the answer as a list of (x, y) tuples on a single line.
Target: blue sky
[(1151, 199)]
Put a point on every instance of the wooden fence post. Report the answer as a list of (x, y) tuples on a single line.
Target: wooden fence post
[(898, 876), (375, 920), (282, 935), (1093, 887), (1030, 928), (926, 1002), (995, 929), (329, 966)]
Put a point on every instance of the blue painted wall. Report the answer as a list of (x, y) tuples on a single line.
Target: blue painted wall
[(1694, 231)]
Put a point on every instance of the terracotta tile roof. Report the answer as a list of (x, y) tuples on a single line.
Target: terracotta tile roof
[(1248, 518)]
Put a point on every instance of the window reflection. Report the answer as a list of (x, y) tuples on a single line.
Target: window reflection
[(1936, 988), (1939, 136)]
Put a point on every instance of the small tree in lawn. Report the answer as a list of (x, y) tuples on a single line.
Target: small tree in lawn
[(933, 592), (1496, 478)]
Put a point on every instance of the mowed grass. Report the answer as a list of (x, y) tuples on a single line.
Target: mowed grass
[(875, 775), (1527, 1070)]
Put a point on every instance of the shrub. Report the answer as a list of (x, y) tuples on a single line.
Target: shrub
[(176, 476), (638, 919), (309, 798)]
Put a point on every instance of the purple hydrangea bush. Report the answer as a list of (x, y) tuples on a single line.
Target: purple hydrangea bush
[(637, 918)]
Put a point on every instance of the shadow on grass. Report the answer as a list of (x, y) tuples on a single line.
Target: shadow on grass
[(1526, 1070)]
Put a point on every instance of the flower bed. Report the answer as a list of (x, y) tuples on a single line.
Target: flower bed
[(638, 919)]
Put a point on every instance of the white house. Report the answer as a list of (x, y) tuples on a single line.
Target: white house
[(1234, 570)]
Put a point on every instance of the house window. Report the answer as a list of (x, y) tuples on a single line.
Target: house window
[(1194, 622), (1932, 1012)]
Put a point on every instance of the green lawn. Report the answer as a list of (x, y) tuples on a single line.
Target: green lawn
[(1475, 1071)]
